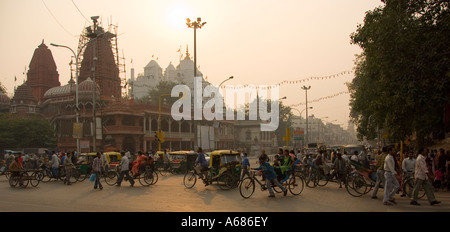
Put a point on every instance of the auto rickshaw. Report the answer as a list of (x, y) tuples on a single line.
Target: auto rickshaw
[(182, 161), (221, 161), (113, 159), (85, 160)]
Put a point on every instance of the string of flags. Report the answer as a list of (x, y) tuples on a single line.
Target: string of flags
[(293, 81), (320, 99)]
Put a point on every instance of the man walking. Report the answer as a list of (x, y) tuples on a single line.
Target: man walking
[(125, 170), (380, 171), (423, 178), (392, 184), (69, 166)]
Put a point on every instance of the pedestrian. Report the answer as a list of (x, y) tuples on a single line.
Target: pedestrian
[(423, 180), (271, 176), (245, 166), (340, 168), (379, 165), (97, 167), (68, 165), (391, 182), (125, 170), (55, 165), (438, 174), (408, 166)]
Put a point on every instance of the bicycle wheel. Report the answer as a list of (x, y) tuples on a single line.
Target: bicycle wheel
[(247, 187), (356, 185), (34, 180), (111, 178), (76, 175), (13, 180), (47, 175), (155, 177), (225, 181), (82, 176), (189, 180), (146, 179), (296, 185), (322, 180), (311, 180), (62, 174), (408, 187), (40, 175), (25, 180)]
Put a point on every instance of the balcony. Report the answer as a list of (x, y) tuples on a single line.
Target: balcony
[(134, 130)]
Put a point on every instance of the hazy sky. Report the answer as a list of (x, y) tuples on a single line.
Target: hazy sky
[(259, 42)]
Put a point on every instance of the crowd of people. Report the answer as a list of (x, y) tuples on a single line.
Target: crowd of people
[(429, 168), (66, 160)]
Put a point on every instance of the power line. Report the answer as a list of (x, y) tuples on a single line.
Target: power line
[(87, 20), (49, 11)]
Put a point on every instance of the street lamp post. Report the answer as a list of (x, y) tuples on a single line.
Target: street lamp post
[(306, 92), (76, 83), (195, 24), (216, 124)]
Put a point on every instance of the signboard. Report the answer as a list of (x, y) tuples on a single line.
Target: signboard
[(77, 130), (299, 135)]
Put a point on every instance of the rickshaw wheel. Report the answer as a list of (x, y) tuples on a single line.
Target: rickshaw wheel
[(111, 178), (155, 177), (226, 181), (146, 179), (190, 179), (47, 176), (13, 181), (34, 180)]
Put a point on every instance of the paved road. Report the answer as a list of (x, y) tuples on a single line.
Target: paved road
[(170, 195)]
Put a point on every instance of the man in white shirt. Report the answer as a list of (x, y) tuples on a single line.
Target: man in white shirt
[(55, 165), (392, 184), (125, 170), (408, 165), (423, 181)]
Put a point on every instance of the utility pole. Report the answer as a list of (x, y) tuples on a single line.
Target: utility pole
[(195, 24), (306, 92)]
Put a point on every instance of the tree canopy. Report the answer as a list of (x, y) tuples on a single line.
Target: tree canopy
[(17, 132), (402, 78)]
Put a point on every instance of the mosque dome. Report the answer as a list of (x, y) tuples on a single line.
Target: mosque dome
[(61, 90)]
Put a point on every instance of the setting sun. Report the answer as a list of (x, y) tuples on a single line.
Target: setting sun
[(177, 16)]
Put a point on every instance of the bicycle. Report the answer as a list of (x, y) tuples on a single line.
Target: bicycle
[(408, 187), (146, 178), (295, 184), (22, 178)]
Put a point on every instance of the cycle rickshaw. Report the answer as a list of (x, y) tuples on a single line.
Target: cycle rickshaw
[(224, 169)]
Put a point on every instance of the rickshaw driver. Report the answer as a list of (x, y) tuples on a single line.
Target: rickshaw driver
[(200, 169)]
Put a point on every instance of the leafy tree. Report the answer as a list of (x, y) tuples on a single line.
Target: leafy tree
[(402, 82), (17, 132)]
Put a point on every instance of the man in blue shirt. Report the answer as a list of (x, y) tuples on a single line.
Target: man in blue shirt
[(203, 165), (245, 166), (271, 176)]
